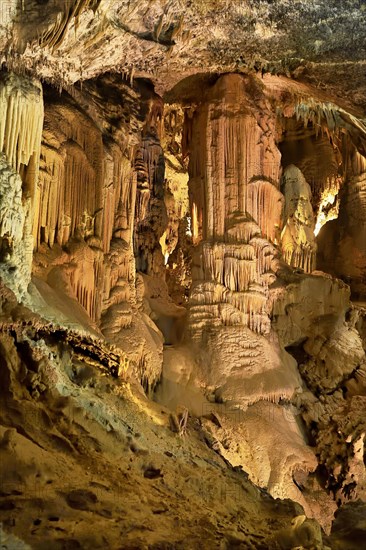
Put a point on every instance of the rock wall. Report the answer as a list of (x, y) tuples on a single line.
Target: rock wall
[(203, 237), (185, 235), (94, 158), (342, 242)]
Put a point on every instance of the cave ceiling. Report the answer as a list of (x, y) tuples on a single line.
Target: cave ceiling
[(321, 43)]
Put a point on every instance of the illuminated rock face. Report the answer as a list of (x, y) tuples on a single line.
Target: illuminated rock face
[(16, 244), (21, 123), (69, 213), (233, 158), (96, 201), (298, 239), (238, 212), (351, 258), (342, 242), (86, 196), (248, 206), (236, 206)]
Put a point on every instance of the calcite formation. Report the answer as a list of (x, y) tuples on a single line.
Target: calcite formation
[(344, 252), (183, 271), (16, 245), (298, 239), (231, 183), (21, 126)]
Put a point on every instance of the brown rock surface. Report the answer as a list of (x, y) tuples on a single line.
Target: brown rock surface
[(182, 263)]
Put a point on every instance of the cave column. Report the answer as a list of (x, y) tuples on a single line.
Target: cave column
[(21, 123), (234, 174)]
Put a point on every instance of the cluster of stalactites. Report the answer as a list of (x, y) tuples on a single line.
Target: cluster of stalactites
[(300, 256), (232, 283), (86, 205), (237, 266), (234, 162), (143, 184), (150, 212), (236, 207), (86, 278), (69, 10), (21, 122), (328, 118), (84, 190), (324, 116), (71, 180), (149, 166)]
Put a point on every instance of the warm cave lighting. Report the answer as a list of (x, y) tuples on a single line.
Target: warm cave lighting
[(164, 248), (182, 358), (189, 226), (194, 222), (328, 208)]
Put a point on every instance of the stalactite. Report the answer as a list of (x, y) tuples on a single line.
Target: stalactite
[(71, 192), (86, 201), (21, 121), (237, 275), (229, 171), (329, 118), (72, 9)]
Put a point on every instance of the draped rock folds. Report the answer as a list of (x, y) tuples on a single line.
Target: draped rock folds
[(252, 213), (97, 183), (21, 123), (234, 174), (233, 145), (190, 236)]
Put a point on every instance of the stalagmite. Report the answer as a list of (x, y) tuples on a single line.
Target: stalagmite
[(298, 240), (241, 218), (21, 121), (16, 244)]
